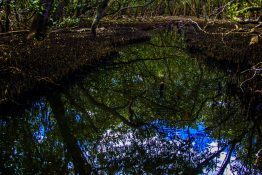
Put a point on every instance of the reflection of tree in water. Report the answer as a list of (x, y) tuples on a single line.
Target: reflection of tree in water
[(105, 123), (144, 151), (30, 143)]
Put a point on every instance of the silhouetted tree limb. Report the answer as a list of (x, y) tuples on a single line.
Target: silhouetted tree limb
[(82, 110), (207, 160), (111, 111), (227, 160)]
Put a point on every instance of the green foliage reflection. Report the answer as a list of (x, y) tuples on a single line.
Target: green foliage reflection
[(104, 124)]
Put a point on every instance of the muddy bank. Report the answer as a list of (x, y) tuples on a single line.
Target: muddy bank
[(211, 39), (26, 64), (225, 44)]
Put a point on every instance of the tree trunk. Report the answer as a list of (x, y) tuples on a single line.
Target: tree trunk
[(7, 13), (1, 27), (80, 163), (17, 18), (39, 25), (99, 15), (60, 10)]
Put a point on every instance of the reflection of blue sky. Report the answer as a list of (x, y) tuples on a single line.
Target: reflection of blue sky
[(201, 141), (135, 79), (115, 81), (41, 122), (197, 135), (3, 123), (77, 118), (40, 134)]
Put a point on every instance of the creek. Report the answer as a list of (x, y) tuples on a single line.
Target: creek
[(153, 109)]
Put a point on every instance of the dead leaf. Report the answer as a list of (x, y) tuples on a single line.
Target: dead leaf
[(254, 40)]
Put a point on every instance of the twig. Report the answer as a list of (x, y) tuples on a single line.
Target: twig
[(257, 71)]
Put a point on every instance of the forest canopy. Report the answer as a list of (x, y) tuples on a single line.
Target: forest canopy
[(17, 15)]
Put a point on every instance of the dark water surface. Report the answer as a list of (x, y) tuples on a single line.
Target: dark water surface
[(155, 109)]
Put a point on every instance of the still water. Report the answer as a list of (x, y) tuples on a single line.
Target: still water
[(154, 109)]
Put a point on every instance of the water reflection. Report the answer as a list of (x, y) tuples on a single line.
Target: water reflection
[(153, 110)]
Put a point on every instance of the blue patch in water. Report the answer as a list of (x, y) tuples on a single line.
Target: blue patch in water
[(198, 136)]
